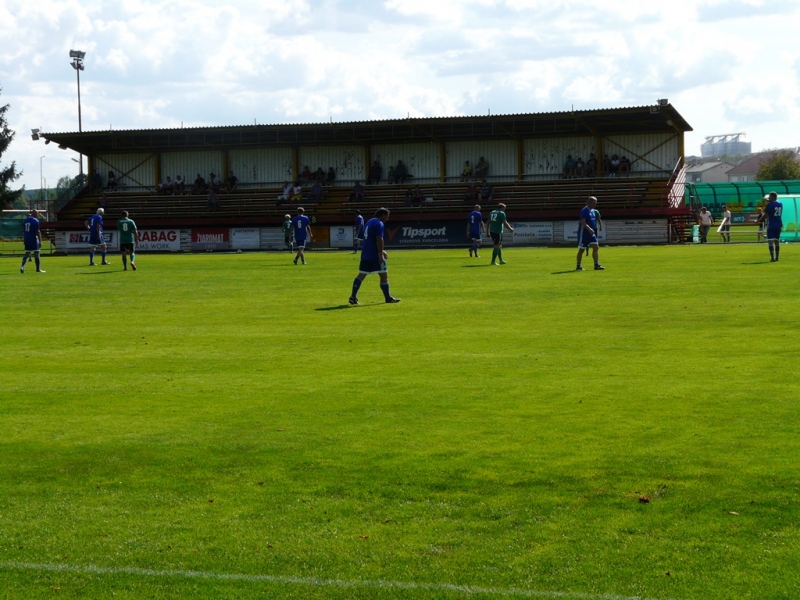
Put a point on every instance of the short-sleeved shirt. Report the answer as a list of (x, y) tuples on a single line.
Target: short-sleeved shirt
[(475, 219), (287, 228), (372, 231), (359, 226), (496, 219), (588, 215), (706, 218), (300, 224), (774, 212), (30, 229), (127, 231), (96, 229)]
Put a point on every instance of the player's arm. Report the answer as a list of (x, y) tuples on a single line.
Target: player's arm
[(509, 227), (379, 245), (585, 225), (483, 227)]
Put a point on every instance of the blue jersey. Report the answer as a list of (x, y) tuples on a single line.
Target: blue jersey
[(774, 211), (359, 226), (475, 219), (300, 224), (30, 229), (590, 217), (94, 221), (372, 231)]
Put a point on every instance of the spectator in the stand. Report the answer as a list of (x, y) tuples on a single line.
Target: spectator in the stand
[(95, 182), (330, 177), (233, 181), (606, 165), (357, 195), (180, 184), (305, 176), (112, 182), (466, 173), (471, 194), (400, 172), (168, 187), (213, 199), (286, 193), (297, 192), (319, 175), (591, 166), (481, 169), (417, 197), (579, 167), (375, 172), (624, 165), (315, 195), (569, 168), (103, 202), (199, 184), (390, 176), (213, 182), (613, 170), (486, 190)]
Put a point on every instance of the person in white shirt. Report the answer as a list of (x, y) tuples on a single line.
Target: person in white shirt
[(706, 221), (725, 225)]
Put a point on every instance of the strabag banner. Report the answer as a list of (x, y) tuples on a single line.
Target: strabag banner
[(158, 240)]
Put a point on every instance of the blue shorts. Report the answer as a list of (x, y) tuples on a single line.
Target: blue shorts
[(588, 240), (774, 233), (475, 235), (372, 266), (96, 241), (300, 242), (32, 247)]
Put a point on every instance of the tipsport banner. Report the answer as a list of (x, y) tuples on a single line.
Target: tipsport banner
[(428, 233)]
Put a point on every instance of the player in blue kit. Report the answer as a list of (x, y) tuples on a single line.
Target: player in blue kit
[(373, 256), (587, 234), (773, 215), (32, 238), (95, 226), (358, 231), (302, 234), (475, 226)]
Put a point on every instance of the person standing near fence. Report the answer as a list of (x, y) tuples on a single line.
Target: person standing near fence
[(127, 240), (725, 225), (706, 221), (32, 238), (773, 215)]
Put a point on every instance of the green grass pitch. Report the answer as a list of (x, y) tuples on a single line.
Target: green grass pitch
[(225, 426)]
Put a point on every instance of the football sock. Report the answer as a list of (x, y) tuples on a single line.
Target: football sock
[(385, 289), (771, 252), (500, 253), (494, 254), (777, 250), (133, 257), (91, 256), (38, 261), (25, 258), (103, 255), (125, 260), (356, 285)]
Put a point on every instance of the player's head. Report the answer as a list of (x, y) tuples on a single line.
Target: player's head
[(477, 207), (34, 213), (300, 210), (704, 209), (501, 206), (724, 207), (382, 213), (287, 217), (591, 202), (773, 196), (100, 211), (124, 214)]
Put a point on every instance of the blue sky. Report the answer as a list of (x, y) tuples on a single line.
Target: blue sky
[(726, 65)]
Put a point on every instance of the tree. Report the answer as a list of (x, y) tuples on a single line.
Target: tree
[(781, 166), (8, 174)]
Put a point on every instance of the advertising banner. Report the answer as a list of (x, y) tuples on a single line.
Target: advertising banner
[(571, 232), (428, 233), (158, 240), (341, 236), (245, 239), (210, 239), (532, 233), (79, 240)]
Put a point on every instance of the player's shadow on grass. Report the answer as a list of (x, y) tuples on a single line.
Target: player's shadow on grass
[(760, 262), (100, 272), (344, 306), (477, 266), (564, 272)]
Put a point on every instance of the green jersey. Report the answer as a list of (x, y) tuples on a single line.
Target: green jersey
[(496, 220), (127, 231), (287, 228)]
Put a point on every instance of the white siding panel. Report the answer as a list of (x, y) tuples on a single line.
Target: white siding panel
[(262, 167), (543, 158), (651, 152), (133, 171), (501, 156), (423, 160), (189, 164), (347, 161)]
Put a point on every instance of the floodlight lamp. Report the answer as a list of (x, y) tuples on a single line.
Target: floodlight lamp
[(663, 102), (46, 142), (77, 54), (34, 134)]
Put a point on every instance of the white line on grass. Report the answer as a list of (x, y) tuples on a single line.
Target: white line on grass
[(312, 581)]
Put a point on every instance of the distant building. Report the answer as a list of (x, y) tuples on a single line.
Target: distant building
[(747, 169), (709, 172), (729, 144)]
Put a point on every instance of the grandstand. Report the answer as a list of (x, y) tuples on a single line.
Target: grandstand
[(526, 154)]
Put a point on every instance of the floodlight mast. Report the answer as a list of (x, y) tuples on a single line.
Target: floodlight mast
[(77, 64)]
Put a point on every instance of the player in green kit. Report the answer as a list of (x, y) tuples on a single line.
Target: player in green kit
[(497, 220), (287, 232), (127, 240)]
